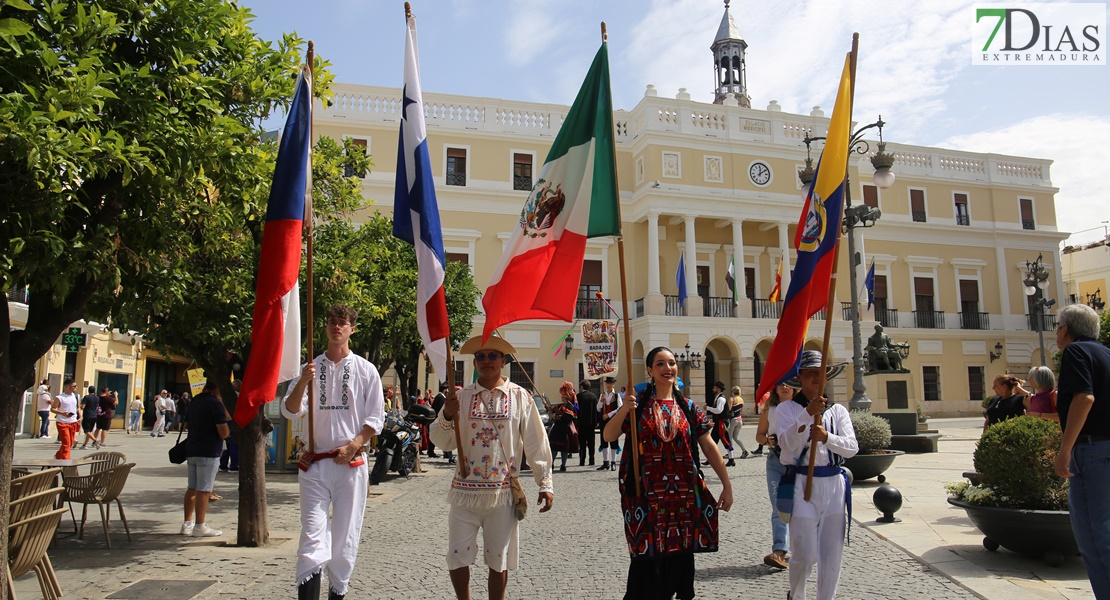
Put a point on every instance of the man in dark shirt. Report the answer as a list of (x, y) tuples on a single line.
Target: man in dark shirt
[(1083, 400), (89, 405), (587, 421), (207, 431), (105, 411), (437, 405)]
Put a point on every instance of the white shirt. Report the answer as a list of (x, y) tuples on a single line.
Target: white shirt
[(718, 406), (495, 422), (67, 403), (792, 416), (609, 399), (136, 404), (348, 397), (44, 398)]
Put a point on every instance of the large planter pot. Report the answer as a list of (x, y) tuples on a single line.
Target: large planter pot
[(866, 466), (1039, 533)]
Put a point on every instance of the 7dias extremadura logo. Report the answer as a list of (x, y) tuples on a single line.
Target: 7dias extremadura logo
[(1039, 34)]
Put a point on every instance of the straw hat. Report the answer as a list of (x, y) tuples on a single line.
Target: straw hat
[(811, 359), (475, 344)]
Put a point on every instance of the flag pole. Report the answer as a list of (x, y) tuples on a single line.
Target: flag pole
[(311, 59), (832, 278), (626, 330)]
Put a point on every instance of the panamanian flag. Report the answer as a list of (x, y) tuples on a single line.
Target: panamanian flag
[(416, 214), (574, 198), (276, 328)]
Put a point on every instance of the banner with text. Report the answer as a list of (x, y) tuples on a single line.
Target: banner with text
[(599, 348)]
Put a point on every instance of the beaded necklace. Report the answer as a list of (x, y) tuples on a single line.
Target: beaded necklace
[(667, 420)]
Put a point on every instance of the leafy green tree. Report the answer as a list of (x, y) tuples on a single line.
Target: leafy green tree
[(1104, 328), (121, 122)]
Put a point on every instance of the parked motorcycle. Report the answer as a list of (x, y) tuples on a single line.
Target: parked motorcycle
[(399, 442)]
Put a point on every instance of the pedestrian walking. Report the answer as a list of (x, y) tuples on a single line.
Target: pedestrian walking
[(136, 423), (90, 404), (564, 431), (437, 406), (764, 434), (1083, 401), (65, 410), (202, 448), (498, 422), (169, 423), (736, 412), (607, 406), (675, 516), (817, 525), (587, 423), (43, 408), (718, 412), (159, 428), (105, 411), (348, 411)]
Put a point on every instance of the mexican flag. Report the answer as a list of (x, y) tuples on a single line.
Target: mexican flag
[(574, 198)]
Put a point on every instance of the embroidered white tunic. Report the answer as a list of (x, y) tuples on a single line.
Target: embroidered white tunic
[(498, 427), (348, 395)]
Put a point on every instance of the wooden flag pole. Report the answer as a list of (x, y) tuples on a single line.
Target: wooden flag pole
[(832, 278), (626, 330), (308, 233)]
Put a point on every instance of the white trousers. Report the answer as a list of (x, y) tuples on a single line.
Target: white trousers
[(331, 541), (817, 536), (159, 425)]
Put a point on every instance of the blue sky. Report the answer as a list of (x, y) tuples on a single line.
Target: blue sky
[(914, 68)]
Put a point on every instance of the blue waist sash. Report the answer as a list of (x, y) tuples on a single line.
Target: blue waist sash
[(829, 471)]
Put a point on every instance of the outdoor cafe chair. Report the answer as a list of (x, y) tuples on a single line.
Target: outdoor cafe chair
[(28, 540), (33, 483), (100, 489)]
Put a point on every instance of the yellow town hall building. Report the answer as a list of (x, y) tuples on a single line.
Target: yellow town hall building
[(720, 180)]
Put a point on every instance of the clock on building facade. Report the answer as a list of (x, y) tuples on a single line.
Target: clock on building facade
[(759, 173)]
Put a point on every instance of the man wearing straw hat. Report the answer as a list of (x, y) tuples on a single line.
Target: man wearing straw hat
[(499, 422), (348, 410), (817, 525)]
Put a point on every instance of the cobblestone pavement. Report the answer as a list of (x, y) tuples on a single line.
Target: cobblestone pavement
[(575, 551)]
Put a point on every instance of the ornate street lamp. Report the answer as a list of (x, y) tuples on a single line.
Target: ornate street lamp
[(1095, 300), (689, 359), (997, 354), (568, 345), (1036, 281), (855, 217)]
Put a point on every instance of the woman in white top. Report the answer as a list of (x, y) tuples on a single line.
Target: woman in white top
[(65, 407), (775, 471), (136, 409)]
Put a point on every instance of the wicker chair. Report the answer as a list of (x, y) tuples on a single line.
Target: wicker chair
[(99, 489), (33, 483), (28, 540)]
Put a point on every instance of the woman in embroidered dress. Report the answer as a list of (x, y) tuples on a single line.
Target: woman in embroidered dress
[(564, 436), (676, 515)]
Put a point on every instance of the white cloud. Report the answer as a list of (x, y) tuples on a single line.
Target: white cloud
[(530, 32), (1076, 144)]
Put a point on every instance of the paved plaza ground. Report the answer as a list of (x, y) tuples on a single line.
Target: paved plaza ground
[(577, 550)]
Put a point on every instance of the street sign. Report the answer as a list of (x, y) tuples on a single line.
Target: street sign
[(73, 339)]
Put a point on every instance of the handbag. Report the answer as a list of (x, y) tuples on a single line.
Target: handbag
[(177, 453)]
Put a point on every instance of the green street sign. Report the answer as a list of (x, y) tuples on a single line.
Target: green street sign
[(73, 339)]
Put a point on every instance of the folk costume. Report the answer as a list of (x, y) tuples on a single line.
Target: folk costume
[(722, 418), (348, 396), (817, 527), (607, 406), (564, 433), (499, 426), (676, 515)]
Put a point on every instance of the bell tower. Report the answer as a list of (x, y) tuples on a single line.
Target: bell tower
[(729, 62)]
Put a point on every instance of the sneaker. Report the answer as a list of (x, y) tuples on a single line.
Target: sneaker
[(152, 435), (97, 445), (203, 530), (731, 463), (744, 455), (84, 446), (187, 528)]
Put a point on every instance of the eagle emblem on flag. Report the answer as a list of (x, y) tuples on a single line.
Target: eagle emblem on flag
[(544, 205), (816, 221)]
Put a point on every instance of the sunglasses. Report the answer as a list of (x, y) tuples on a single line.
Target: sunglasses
[(487, 356)]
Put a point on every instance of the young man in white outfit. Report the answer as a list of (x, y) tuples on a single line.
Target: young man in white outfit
[(500, 423), (817, 527), (607, 406), (348, 410), (159, 428), (722, 418)]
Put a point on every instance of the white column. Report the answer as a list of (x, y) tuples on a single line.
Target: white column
[(653, 253), (1003, 283), (693, 300), (784, 247), (738, 257)]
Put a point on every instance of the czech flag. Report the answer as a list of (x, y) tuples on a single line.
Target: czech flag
[(276, 329), (816, 242), (416, 213)]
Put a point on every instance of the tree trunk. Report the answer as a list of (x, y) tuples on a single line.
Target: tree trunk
[(254, 530), (9, 425)]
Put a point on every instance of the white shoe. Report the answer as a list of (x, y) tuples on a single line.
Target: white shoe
[(202, 530), (187, 528)]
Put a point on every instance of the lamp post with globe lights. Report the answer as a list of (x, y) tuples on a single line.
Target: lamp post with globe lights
[(1036, 282), (855, 217)]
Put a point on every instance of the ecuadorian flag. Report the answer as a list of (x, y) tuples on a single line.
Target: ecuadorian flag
[(817, 234)]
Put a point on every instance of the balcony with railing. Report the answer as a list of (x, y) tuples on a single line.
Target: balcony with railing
[(457, 179), (638, 309), (887, 317), (765, 309), (522, 182), (674, 307), (820, 315), (918, 216), (1047, 322), (718, 307), (964, 220), (928, 319), (592, 309), (1028, 224), (974, 320)]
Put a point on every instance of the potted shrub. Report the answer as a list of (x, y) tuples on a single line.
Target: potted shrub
[(874, 457), (1019, 503)]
